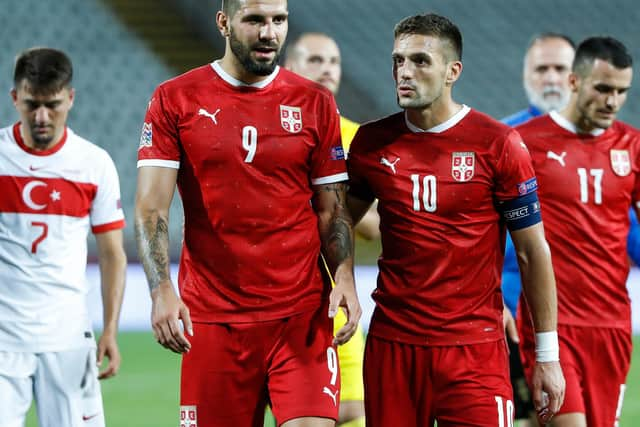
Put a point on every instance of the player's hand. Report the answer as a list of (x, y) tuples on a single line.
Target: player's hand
[(548, 389), (344, 295), (108, 346), (167, 309), (510, 328)]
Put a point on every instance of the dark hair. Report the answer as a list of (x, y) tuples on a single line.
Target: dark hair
[(601, 47), (550, 35), (45, 70), (431, 24)]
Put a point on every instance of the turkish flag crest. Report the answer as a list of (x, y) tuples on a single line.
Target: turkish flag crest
[(620, 162), (463, 165), (188, 416), (291, 118)]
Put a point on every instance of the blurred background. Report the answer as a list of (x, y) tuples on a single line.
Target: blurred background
[(122, 49)]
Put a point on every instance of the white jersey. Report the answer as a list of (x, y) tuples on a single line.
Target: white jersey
[(50, 200)]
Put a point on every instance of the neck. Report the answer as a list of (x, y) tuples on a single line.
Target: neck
[(433, 115), (235, 69), (27, 138), (572, 114)]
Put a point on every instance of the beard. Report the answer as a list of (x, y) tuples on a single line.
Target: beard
[(41, 141), (552, 97), (243, 53)]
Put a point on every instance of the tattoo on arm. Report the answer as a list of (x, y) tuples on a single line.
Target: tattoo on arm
[(152, 235), (337, 233)]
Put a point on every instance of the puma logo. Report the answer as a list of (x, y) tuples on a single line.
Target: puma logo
[(392, 165), (333, 396), (203, 112), (560, 158)]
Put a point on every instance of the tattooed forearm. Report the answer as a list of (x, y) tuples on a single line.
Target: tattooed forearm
[(336, 226), (152, 235)]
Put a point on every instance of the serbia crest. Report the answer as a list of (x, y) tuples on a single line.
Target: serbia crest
[(620, 162), (463, 165), (291, 118)]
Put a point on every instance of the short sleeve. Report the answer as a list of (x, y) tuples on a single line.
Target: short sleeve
[(328, 158), (358, 186), (159, 144), (515, 174), (106, 209)]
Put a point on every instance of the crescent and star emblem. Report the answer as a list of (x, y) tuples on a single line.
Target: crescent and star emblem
[(26, 195)]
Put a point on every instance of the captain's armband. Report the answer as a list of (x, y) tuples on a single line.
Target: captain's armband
[(521, 212)]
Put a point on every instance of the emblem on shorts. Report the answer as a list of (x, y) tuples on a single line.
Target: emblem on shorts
[(620, 162), (463, 165), (188, 416), (291, 118)]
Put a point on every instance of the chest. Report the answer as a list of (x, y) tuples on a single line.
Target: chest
[(583, 173), (432, 179), (248, 132)]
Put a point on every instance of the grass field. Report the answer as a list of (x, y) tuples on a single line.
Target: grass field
[(145, 392)]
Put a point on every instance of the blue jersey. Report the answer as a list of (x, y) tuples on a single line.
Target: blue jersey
[(511, 284)]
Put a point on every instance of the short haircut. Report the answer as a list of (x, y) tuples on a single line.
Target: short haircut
[(550, 35), (600, 47), (230, 7), (292, 52), (434, 25), (46, 70)]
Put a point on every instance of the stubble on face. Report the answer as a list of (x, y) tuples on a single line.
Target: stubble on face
[(243, 53)]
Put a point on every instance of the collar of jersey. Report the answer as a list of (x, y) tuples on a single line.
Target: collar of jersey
[(235, 82), (48, 152), (566, 124), (448, 124)]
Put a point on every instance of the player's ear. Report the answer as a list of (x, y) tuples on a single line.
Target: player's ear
[(454, 69), (14, 95), (72, 96), (574, 82), (222, 22)]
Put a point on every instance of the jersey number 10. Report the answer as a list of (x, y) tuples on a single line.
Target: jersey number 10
[(428, 190)]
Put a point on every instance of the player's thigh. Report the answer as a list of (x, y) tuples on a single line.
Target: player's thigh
[(16, 370), (607, 362), (389, 375), (573, 419), (67, 390), (351, 357), (309, 422), (304, 374), (471, 385), (223, 376)]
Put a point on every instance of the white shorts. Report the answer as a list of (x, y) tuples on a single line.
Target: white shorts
[(64, 384)]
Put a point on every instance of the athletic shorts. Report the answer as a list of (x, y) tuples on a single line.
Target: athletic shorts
[(413, 386), (233, 370), (351, 357), (522, 401), (64, 385), (595, 363)]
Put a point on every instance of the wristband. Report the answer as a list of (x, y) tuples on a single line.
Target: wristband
[(547, 348)]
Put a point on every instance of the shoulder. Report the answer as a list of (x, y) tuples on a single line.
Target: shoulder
[(93, 155), (303, 86), (517, 118), (377, 133), (188, 79), (486, 126), (625, 129)]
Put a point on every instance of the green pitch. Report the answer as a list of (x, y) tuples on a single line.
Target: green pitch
[(145, 392)]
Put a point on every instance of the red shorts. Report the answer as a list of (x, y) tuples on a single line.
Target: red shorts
[(595, 363), (233, 370), (412, 386)]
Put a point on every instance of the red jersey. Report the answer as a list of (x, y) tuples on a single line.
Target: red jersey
[(442, 236), (587, 182), (247, 157)]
